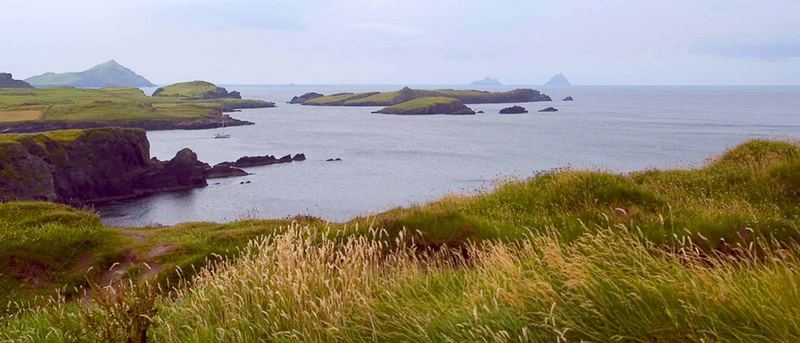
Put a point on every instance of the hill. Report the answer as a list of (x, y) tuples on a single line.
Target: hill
[(109, 74), (428, 105)]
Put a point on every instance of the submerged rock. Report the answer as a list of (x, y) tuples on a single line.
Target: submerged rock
[(513, 110), (299, 157), (549, 109), (569, 98), (333, 160)]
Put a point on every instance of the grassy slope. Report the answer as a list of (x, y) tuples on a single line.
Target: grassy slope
[(578, 255)]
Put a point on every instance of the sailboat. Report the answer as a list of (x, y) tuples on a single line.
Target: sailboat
[(219, 135)]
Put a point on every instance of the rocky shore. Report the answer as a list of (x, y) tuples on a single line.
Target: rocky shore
[(102, 164)]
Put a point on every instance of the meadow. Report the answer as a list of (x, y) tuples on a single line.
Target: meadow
[(707, 254)]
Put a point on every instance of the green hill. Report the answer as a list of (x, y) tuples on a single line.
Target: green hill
[(109, 74)]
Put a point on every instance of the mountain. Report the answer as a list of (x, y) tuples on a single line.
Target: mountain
[(558, 80), (6, 81), (109, 74), (488, 81)]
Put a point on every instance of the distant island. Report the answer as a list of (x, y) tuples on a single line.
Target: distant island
[(109, 74), (398, 98), (183, 106), (488, 81), (7, 81), (558, 80), (428, 105)]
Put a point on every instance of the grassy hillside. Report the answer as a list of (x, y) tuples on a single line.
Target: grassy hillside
[(428, 105), (709, 254), (70, 104)]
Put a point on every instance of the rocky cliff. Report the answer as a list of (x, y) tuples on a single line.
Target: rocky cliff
[(7, 81), (80, 166)]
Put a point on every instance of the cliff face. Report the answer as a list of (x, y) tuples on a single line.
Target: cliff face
[(90, 165)]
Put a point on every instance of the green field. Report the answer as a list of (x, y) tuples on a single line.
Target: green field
[(71, 104), (709, 254), (191, 89)]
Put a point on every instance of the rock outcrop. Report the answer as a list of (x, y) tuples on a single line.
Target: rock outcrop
[(95, 165), (254, 161), (558, 80), (549, 109), (513, 110), (7, 81), (218, 172), (569, 98), (305, 97), (428, 105)]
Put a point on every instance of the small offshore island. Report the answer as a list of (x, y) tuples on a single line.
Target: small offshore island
[(420, 101)]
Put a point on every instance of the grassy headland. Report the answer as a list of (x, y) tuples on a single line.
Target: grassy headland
[(112, 105), (708, 254)]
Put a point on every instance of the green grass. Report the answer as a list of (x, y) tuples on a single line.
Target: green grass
[(191, 89), (707, 254), (110, 104)]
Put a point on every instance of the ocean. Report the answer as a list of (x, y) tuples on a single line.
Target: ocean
[(390, 161)]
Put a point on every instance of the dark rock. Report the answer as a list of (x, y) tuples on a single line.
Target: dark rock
[(479, 112), (218, 172), (333, 160), (253, 161), (96, 165), (549, 109), (513, 110), (569, 98), (305, 97), (6, 81)]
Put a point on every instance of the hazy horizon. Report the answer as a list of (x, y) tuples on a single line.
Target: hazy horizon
[(391, 43)]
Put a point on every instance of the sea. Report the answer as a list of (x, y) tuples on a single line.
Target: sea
[(389, 161)]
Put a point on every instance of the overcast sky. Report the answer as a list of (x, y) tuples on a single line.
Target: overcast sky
[(609, 42)]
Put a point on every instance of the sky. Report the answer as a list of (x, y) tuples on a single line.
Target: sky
[(610, 42)]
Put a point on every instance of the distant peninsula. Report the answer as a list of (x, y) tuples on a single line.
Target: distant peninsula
[(558, 80), (7, 81), (488, 81), (108, 74), (179, 107)]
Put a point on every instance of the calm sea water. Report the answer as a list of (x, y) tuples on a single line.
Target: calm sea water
[(391, 161)]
